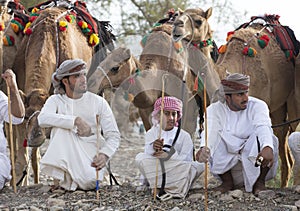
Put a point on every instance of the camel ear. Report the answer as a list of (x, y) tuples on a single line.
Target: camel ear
[(180, 11), (208, 13)]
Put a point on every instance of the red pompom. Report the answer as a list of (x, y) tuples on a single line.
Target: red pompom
[(25, 143)]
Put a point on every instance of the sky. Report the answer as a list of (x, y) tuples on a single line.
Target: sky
[(287, 10)]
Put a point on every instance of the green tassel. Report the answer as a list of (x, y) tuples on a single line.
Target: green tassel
[(262, 43)]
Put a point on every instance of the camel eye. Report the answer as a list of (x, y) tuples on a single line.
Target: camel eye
[(198, 22), (114, 70)]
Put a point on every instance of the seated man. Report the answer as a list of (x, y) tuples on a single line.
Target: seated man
[(18, 113), (239, 134), (75, 150), (294, 144), (162, 141)]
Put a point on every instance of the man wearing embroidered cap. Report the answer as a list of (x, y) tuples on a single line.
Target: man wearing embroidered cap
[(72, 155), (239, 135), (181, 170), (294, 144)]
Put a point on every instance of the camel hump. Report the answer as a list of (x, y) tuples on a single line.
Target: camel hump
[(283, 34)]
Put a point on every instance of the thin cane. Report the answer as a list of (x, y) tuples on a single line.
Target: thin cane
[(206, 164), (98, 145), (12, 156), (159, 135)]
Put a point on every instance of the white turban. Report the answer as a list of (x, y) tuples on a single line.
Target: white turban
[(64, 70)]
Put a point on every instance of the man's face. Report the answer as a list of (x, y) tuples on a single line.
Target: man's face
[(76, 83), (237, 102), (169, 119)]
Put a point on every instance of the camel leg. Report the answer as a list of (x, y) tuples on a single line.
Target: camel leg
[(279, 116), (35, 160), (145, 114)]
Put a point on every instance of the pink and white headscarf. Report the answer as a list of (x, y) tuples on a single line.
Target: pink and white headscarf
[(170, 103)]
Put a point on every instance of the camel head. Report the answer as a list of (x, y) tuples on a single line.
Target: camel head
[(3, 5), (34, 102), (113, 70), (192, 25)]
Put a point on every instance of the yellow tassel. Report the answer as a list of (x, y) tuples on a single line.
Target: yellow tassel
[(84, 25), (5, 42), (94, 39), (27, 26), (63, 23), (34, 10)]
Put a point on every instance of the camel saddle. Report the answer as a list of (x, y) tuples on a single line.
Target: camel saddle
[(283, 34)]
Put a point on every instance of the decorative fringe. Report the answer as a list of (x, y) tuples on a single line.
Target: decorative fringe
[(63, 25), (28, 30), (2, 26), (289, 55), (17, 25), (222, 49), (229, 35), (94, 39), (263, 41), (70, 18), (8, 40), (178, 46), (128, 96), (248, 51)]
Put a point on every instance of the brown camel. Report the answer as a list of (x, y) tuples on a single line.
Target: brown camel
[(179, 62), (39, 55), (272, 80)]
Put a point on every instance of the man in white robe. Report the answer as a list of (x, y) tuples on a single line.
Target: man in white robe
[(18, 113), (75, 150), (181, 171), (294, 144), (239, 133)]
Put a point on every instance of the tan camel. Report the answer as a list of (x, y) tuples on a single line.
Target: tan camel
[(272, 80), (37, 58), (181, 60), (117, 66)]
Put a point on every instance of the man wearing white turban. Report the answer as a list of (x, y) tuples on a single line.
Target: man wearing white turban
[(294, 144), (72, 155), (180, 169), (243, 148)]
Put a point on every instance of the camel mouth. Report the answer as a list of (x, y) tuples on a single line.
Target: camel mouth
[(176, 38), (36, 141)]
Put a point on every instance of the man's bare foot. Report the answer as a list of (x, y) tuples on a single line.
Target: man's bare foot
[(223, 188), (258, 187)]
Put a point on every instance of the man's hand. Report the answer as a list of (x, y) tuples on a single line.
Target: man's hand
[(160, 154), (83, 129), (10, 78), (158, 145), (99, 161), (203, 155), (268, 158)]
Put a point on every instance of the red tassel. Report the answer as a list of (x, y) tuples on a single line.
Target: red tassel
[(25, 143)]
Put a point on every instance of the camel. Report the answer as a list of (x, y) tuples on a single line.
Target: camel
[(180, 61), (39, 55), (116, 68)]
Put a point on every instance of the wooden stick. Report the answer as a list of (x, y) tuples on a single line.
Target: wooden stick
[(98, 145), (206, 164), (12, 155), (159, 135)]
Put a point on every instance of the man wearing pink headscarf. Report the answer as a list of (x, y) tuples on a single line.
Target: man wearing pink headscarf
[(181, 170), (243, 148)]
